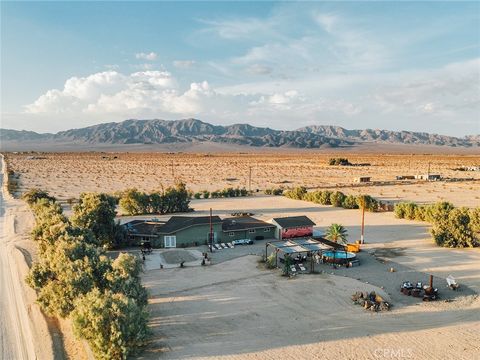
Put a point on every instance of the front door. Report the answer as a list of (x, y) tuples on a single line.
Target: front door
[(170, 241)]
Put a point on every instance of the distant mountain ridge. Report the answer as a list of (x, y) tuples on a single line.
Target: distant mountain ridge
[(195, 131)]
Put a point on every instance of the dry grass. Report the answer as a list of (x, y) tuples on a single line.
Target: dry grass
[(66, 175)]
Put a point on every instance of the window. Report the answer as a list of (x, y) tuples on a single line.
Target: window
[(231, 234), (266, 230), (251, 231), (170, 241)]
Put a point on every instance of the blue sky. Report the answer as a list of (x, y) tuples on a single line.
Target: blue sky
[(390, 65)]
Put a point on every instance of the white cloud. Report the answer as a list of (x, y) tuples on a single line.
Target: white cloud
[(184, 64), (146, 56)]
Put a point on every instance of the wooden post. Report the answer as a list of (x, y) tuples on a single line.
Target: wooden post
[(250, 179), (431, 281), (211, 232), (362, 240)]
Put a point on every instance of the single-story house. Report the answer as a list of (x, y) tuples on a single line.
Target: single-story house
[(178, 231), (293, 227), (246, 227)]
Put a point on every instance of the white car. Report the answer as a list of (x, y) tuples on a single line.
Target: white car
[(243, 242)]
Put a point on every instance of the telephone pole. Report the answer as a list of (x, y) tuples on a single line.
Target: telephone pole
[(249, 179), (362, 240), (173, 171), (210, 236)]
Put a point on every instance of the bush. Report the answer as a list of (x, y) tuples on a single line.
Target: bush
[(113, 324), (298, 193), (96, 212), (197, 195), (337, 198), (270, 264), (172, 200), (325, 197), (350, 202), (206, 194), (32, 195), (454, 231)]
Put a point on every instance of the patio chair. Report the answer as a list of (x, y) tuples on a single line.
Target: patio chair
[(231, 244), (302, 267), (293, 269), (223, 245), (216, 246), (452, 283)]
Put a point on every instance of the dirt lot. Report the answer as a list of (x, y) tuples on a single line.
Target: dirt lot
[(66, 175), (237, 310)]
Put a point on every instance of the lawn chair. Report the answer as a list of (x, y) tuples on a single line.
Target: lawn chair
[(452, 283), (226, 245), (222, 245), (231, 244), (293, 269), (216, 246), (302, 267)]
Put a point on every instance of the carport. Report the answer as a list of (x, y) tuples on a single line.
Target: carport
[(310, 246)]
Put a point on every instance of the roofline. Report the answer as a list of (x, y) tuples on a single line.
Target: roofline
[(186, 227), (250, 228)]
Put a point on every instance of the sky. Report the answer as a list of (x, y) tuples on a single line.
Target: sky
[(384, 65)]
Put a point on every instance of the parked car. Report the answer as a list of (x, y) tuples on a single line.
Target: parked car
[(243, 242)]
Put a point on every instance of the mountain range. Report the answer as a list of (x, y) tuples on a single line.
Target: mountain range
[(190, 131)]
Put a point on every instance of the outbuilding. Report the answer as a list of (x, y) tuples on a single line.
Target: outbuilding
[(293, 227)]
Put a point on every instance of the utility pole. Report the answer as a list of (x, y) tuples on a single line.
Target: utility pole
[(428, 172), (249, 179), (173, 172), (210, 236)]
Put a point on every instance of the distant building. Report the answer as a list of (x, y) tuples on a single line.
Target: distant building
[(405, 177), (362, 179), (293, 227), (428, 177)]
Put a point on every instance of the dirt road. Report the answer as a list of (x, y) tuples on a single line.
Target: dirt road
[(15, 333)]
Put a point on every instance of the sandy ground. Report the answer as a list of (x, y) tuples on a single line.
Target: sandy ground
[(237, 310), (66, 175)]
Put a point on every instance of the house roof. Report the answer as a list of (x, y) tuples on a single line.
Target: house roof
[(239, 223), (142, 227), (176, 223), (293, 221)]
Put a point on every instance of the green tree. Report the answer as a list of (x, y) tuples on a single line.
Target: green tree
[(134, 202), (350, 202), (96, 212), (124, 277), (113, 324), (63, 273), (336, 233), (32, 195), (454, 230), (337, 198), (475, 220)]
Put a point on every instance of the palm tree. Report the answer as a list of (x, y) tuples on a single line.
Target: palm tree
[(336, 232)]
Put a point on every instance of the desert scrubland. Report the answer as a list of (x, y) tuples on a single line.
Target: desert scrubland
[(235, 309), (66, 175)]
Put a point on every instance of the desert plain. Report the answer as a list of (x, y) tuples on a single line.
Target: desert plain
[(236, 309)]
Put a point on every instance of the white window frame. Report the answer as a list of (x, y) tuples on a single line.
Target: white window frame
[(170, 241), (266, 229), (231, 233), (252, 231)]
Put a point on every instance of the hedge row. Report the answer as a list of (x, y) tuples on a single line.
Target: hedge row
[(225, 193), (73, 277), (336, 198), (451, 226)]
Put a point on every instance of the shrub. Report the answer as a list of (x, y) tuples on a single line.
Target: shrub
[(297, 193), (197, 195), (325, 197), (270, 264), (350, 202), (206, 194), (96, 212), (113, 324), (367, 202), (337, 198), (454, 231), (32, 195)]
